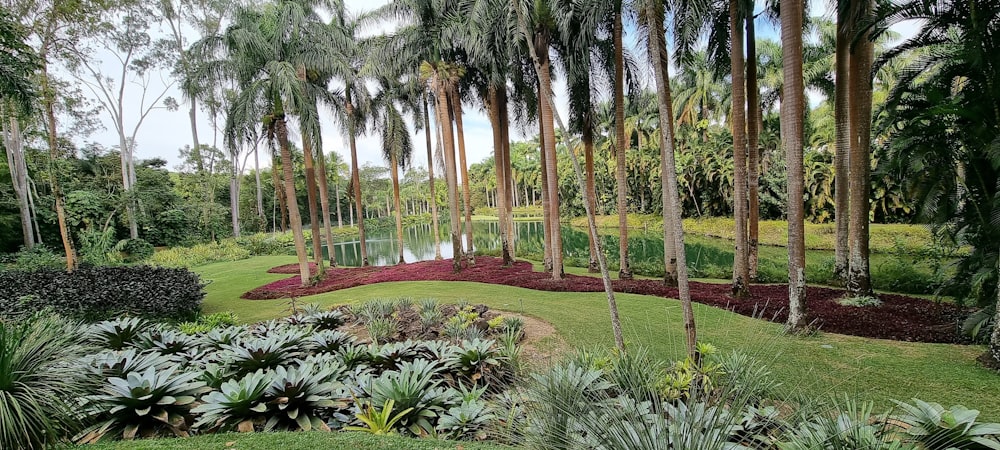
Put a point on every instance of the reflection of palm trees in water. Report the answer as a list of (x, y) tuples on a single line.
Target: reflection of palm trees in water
[(645, 248)]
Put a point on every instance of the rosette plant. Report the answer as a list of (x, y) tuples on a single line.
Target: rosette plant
[(237, 405)]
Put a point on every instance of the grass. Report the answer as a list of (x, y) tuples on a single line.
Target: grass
[(884, 238), (292, 440), (820, 365)]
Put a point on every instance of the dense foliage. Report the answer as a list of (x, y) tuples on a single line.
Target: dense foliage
[(96, 293)]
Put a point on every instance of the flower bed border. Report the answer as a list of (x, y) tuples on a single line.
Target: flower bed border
[(899, 317)]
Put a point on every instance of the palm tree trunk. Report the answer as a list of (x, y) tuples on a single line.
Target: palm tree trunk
[(552, 177), (257, 185), (508, 219), (741, 267), (396, 204), (842, 118), (546, 205), (673, 226), (48, 101), (295, 221), (792, 121), (588, 156), (340, 217), (859, 283), (493, 106), (234, 195), (18, 174), (280, 193), (324, 202), (451, 173), (456, 106), (753, 137), (356, 178), (311, 197), (621, 146), (616, 326), (430, 175)]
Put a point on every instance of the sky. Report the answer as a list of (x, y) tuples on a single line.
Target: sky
[(165, 132)]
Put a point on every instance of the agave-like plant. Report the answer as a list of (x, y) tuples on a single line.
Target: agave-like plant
[(378, 422), (412, 387), (329, 341), (237, 405), (932, 427), (354, 356), (467, 420), (250, 355), (476, 358), (390, 356), (325, 320), (299, 395), (111, 363), (218, 338), (116, 334), (148, 403), (38, 381)]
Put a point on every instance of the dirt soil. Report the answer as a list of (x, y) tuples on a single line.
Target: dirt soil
[(899, 317)]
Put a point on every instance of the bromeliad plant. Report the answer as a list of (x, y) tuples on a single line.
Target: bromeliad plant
[(149, 403), (116, 334), (298, 395), (932, 426), (236, 406), (378, 422)]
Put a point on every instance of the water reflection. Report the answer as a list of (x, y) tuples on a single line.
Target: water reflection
[(646, 247)]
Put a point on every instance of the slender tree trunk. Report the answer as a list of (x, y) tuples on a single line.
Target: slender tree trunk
[(295, 221), (258, 186), (508, 219), (995, 336), (842, 118), (753, 135), (324, 202), (234, 196), (396, 205), (859, 283), (616, 326), (277, 181), (18, 174), (456, 106), (193, 119), (741, 269), (552, 177), (356, 178), (48, 101), (311, 197), (493, 106), (546, 204), (588, 156), (340, 217), (621, 146), (451, 173), (671, 192), (430, 176), (792, 121)]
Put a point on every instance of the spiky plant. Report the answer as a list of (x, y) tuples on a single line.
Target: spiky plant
[(110, 363), (299, 395), (116, 334), (931, 426), (412, 387), (329, 341), (153, 402), (236, 406), (38, 381)]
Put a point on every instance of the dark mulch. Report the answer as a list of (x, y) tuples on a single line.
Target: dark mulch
[(899, 317)]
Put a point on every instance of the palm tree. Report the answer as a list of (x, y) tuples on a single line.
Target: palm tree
[(262, 55), (430, 176), (673, 227), (792, 120), (397, 147), (753, 138), (859, 283), (741, 261), (621, 145), (842, 140), (350, 108)]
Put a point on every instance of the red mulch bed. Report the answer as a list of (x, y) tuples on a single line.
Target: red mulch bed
[(899, 317)]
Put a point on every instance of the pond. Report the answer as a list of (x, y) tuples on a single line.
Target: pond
[(707, 257)]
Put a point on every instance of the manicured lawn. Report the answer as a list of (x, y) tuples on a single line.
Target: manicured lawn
[(825, 364), (292, 440)]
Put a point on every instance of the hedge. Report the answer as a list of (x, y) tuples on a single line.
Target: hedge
[(98, 293)]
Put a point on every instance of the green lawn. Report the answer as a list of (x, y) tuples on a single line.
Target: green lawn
[(826, 364), (292, 440)]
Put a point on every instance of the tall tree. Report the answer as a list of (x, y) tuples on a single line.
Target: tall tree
[(124, 34), (842, 142), (741, 262), (859, 281), (621, 144), (792, 119), (430, 180), (753, 140), (673, 226), (397, 145)]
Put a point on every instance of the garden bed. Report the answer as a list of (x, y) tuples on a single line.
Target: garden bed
[(898, 317)]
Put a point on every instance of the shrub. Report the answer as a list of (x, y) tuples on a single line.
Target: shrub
[(201, 254), (95, 293), (932, 427), (38, 385), (237, 405), (135, 250), (35, 258)]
